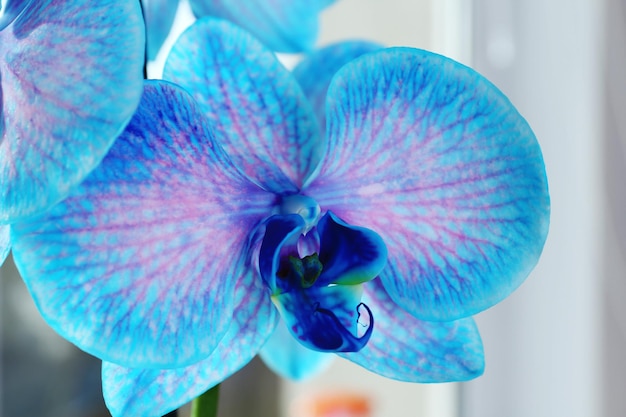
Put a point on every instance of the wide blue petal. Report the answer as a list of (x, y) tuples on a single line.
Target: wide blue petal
[(283, 25), (438, 162), (260, 115), (407, 349), (290, 359), (152, 392), (317, 69), (159, 15), (137, 265), (70, 80)]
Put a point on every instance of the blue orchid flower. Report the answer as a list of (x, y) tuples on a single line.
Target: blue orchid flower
[(213, 223), (59, 112), (289, 26)]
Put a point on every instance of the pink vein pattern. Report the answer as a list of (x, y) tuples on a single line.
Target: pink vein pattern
[(138, 265), (70, 80), (435, 159), (315, 72), (259, 112), (149, 392)]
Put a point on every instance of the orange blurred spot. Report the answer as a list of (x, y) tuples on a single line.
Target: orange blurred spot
[(335, 405)]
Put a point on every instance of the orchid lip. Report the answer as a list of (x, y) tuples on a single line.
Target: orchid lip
[(316, 292), (336, 338)]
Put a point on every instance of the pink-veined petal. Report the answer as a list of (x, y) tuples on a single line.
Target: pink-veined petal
[(259, 112), (136, 266), (150, 392), (437, 161), (318, 68), (70, 80)]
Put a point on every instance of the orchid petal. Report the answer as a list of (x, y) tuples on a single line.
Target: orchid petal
[(70, 80), (136, 265), (318, 68), (407, 349), (290, 359), (436, 160), (5, 242), (259, 112), (159, 15), (283, 25), (150, 392)]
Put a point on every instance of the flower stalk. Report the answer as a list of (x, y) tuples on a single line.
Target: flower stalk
[(206, 404)]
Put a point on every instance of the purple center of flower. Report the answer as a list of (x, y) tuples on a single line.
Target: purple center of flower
[(315, 267)]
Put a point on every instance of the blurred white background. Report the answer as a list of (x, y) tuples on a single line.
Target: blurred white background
[(545, 344)]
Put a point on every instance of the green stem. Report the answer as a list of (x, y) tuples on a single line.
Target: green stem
[(206, 404)]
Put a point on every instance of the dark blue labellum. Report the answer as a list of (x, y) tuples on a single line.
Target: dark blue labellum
[(318, 295), (332, 336)]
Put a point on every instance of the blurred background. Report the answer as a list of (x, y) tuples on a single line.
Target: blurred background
[(556, 346)]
